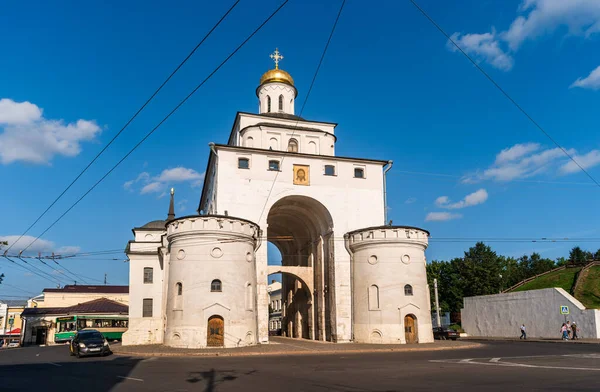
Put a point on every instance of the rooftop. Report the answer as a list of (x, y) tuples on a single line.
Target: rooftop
[(102, 289)]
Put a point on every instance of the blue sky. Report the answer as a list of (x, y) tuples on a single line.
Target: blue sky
[(467, 163)]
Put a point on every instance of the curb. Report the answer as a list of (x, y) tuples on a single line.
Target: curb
[(475, 339), (286, 353)]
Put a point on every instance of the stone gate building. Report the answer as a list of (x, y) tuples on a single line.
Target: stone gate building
[(201, 280)]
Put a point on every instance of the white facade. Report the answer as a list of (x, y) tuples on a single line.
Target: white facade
[(501, 315), (279, 175)]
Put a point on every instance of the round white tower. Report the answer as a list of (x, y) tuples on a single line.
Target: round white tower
[(211, 282), (389, 285), (276, 92)]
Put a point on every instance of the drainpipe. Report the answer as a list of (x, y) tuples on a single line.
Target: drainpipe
[(385, 207), (347, 246), (214, 151)]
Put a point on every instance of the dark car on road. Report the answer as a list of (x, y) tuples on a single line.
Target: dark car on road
[(89, 342), (443, 333)]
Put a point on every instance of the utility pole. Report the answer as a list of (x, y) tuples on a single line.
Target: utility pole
[(105, 279), (437, 303)]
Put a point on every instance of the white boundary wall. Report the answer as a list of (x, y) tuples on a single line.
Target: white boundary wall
[(501, 315)]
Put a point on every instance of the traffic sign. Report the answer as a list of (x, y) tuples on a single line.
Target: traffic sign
[(564, 310), (11, 321)]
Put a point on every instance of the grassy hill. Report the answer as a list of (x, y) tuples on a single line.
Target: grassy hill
[(588, 291)]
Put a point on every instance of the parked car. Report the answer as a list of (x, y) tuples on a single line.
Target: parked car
[(444, 333), (14, 343), (89, 342)]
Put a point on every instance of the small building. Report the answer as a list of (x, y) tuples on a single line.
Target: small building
[(52, 325), (275, 308), (10, 320)]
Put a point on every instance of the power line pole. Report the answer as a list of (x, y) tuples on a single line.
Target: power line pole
[(437, 303), (105, 279)]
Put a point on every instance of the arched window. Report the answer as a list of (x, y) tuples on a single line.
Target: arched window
[(179, 288), (249, 297), (215, 285), (249, 141), (273, 143), (268, 104), (281, 103), (293, 145), (408, 290), (312, 148), (373, 297)]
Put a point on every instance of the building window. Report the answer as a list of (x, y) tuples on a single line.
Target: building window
[(179, 289), (249, 141), (215, 285), (268, 104), (249, 297), (329, 170), (273, 144), (373, 297), (293, 145), (147, 307), (312, 148), (148, 275), (408, 290), (274, 165), (243, 163), (359, 172), (281, 103)]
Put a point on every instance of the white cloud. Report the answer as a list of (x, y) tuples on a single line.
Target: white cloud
[(410, 200), (473, 199), (182, 204), (158, 184), (43, 246), (527, 160), (441, 216), (153, 187), (592, 81), (586, 161), (484, 47), (30, 137), (580, 17)]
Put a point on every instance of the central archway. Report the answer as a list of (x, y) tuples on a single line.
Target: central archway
[(302, 229)]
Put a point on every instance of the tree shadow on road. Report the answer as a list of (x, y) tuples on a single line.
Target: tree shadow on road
[(212, 378)]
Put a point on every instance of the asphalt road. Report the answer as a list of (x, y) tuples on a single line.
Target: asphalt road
[(497, 366)]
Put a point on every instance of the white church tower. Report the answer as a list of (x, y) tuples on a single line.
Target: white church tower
[(347, 276)]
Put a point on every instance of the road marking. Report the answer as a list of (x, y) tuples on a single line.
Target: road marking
[(465, 360), (130, 378), (495, 359), (55, 364)]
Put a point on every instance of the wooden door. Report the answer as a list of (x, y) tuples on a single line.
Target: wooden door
[(216, 332), (410, 329)]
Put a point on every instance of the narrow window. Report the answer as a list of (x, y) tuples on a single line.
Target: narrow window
[(249, 297), (273, 144), (329, 170), (147, 307), (268, 104), (373, 297), (249, 141), (312, 148), (274, 165), (293, 145), (243, 163), (179, 288), (359, 173), (148, 275), (408, 290), (281, 103), (215, 285)]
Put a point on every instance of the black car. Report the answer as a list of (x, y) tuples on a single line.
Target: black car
[(89, 342), (445, 333)]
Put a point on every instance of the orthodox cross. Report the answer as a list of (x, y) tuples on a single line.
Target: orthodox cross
[(276, 56)]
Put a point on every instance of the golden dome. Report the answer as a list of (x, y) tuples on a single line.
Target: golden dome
[(276, 75)]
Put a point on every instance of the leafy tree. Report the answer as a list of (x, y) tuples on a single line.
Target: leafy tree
[(561, 261), (480, 271), (597, 255), (578, 256), (538, 265)]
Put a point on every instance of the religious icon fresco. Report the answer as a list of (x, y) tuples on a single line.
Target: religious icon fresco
[(301, 175)]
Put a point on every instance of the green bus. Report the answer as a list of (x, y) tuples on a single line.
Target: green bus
[(112, 327)]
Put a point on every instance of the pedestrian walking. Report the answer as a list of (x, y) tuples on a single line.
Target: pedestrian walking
[(569, 328), (523, 332), (563, 330), (574, 328)]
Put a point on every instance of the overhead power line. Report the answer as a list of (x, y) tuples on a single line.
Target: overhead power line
[(312, 83), (535, 123), (160, 123), (128, 122)]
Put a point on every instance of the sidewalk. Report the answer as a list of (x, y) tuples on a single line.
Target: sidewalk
[(529, 340), (289, 346)]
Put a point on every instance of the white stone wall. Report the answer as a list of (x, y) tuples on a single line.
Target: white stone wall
[(274, 90), (501, 315), (385, 259), (203, 249), (144, 253)]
